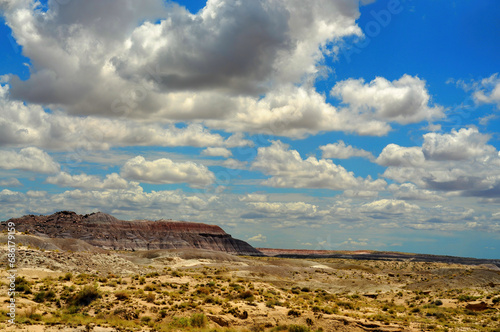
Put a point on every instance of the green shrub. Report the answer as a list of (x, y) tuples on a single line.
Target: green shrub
[(293, 312), (246, 295), (198, 320), (181, 322), (23, 285), (298, 328), (150, 297), (122, 295), (346, 305), (85, 296), (466, 298), (67, 276), (43, 296)]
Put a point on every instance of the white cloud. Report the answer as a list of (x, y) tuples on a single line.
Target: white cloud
[(165, 171), (91, 59), (112, 181), (12, 182), (288, 169), (487, 91), (36, 193), (464, 144), (292, 208), (216, 152), (460, 161), (404, 101), (254, 198), (340, 150), (234, 164), (8, 196), (258, 238), (389, 206), (196, 68), (294, 111), (409, 191), (29, 124), (353, 243), (395, 155), (28, 159)]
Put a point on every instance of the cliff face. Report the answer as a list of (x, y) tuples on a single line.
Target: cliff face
[(105, 231)]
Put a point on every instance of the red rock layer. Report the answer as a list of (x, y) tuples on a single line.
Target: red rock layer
[(105, 231)]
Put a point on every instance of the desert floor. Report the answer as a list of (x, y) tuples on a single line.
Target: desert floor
[(190, 290)]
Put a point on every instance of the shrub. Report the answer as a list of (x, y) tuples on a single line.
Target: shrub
[(293, 312), (181, 322), (150, 297), (23, 285), (122, 295), (85, 296), (43, 296), (246, 295), (346, 305), (298, 328), (466, 298), (203, 291), (149, 288), (438, 302), (198, 320), (162, 313)]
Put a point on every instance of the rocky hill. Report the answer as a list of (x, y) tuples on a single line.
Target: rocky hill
[(105, 231)]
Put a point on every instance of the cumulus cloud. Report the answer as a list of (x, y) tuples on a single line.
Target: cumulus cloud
[(292, 208), (403, 101), (112, 181), (395, 155), (340, 150), (460, 161), (28, 159), (8, 197), (241, 67), (294, 111), (132, 202), (166, 171), (389, 206), (258, 238), (254, 198), (409, 191), (487, 91), (463, 144), (234, 164), (11, 182), (29, 124), (217, 152), (288, 169), (86, 58)]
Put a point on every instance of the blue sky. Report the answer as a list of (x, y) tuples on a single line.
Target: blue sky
[(339, 125)]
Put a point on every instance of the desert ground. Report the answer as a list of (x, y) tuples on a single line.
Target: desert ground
[(194, 290)]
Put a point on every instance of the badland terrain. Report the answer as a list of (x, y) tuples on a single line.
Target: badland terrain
[(97, 273)]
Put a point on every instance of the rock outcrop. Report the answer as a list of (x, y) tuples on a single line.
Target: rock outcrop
[(105, 231)]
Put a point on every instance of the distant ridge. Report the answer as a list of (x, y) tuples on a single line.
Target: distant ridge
[(374, 255), (107, 232)]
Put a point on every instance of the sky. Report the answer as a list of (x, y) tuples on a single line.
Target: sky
[(340, 125)]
